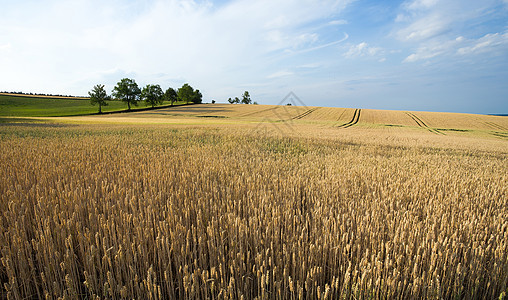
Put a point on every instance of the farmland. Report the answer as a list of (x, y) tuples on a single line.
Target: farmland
[(254, 201), (52, 106)]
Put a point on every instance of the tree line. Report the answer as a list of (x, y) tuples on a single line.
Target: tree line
[(245, 99), (39, 94), (128, 91)]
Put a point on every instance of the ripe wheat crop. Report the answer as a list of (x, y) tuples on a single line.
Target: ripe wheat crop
[(165, 213)]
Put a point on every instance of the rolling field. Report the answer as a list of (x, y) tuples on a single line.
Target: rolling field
[(323, 117), (53, 106), (255, 202)]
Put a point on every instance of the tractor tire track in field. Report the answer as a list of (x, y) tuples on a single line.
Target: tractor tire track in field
[(501, 134), (306, 113), (354, 121), (342, 113), (422, 124), (258, 112), (496, 126)]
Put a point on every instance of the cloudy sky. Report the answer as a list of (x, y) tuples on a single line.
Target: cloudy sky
[(432, 55)]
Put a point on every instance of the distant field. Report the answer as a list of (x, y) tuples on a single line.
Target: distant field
[(325, 118), (42, 96), (53, 106)]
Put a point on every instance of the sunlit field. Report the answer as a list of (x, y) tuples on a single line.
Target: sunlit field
[(14, 105), (255, 202)]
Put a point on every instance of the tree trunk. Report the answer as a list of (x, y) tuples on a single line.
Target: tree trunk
[(100, 109)]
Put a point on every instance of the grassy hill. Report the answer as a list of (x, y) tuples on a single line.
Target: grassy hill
[(14, 105)]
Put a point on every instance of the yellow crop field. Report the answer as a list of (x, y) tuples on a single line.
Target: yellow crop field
[(439, 123), (464, 121), (332, 114), (386, 117), (322, 203)]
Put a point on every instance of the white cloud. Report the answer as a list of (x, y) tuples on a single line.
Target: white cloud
[(421, 20), (487, 43), (5, 46), (277, 22), (433, 49), (280, 74), (342, 22), (225, 47), (424, 28), (318, 47), (310, 66), (432, 26), (306, 38), (420, 4), (423, 53), (362, 49), (282, 40), (462, 46), (73, 45)]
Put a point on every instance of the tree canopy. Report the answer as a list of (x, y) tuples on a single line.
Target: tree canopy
[(98, 96), (246, 98), (170, 95), (198, 97), (152, 94), (187, 94), (127, 90)]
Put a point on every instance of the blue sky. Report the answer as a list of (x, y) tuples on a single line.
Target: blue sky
[(430, 55)]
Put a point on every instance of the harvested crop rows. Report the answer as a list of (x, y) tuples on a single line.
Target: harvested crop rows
[(162, 212)]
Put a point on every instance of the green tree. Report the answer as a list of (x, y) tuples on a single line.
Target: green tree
[(197, 98), (236, 100), (152, 94), (99, 96), (187, 94), (231, 101), (171, 95), (246, 98), (128, 91)]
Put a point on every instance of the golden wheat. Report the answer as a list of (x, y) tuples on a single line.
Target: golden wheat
[(164, 212)]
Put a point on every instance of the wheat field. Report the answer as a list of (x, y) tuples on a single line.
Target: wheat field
[(219, 208)]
